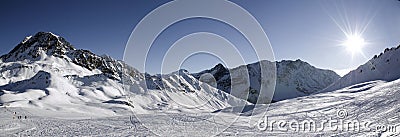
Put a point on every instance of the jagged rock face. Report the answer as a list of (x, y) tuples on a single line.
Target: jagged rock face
[(221, 76), (293, 79), (244, 84), (32, 47), (44, 44), (180, 81), (304, 77)]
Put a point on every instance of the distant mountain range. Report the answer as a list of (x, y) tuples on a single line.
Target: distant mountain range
[(293, 79), (45, 71)]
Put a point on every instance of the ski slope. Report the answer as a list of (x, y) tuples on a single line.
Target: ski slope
[(375, 102)]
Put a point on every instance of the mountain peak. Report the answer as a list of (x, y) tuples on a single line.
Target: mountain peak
[(219, 66), (291, 61), (45, 34), (43, 45), (33, 47), (51, 39), (294, 78)]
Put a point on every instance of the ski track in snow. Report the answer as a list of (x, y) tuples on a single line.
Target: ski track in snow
[(375, 102)]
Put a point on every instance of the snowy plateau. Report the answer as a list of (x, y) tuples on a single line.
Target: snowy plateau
[(49, 88)]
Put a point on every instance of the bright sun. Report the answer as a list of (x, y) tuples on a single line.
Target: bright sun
[(354, 44)]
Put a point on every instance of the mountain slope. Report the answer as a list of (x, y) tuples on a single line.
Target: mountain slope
[(294, 79), (381, 67), (298, 78), (44, 71), (364, 109), (375, 102)]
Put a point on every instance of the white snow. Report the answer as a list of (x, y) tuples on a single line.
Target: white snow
[(375, 102), (383, 67), (60, 98), (293, 79)]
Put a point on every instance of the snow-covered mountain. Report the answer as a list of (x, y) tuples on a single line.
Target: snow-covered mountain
[(53, 79), (372, 106), (374, 102), (293, 79), (44, 71), (384, 66), (298, 78)]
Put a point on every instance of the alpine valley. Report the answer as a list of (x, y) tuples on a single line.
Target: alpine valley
[(50, 88)]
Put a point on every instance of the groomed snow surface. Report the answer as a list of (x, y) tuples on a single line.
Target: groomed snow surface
[(375, 102)]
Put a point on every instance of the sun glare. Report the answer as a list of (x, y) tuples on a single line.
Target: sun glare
[(354, 44), (353, 22)]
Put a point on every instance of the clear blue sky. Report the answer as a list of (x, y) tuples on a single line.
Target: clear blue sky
[(303, 29)]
